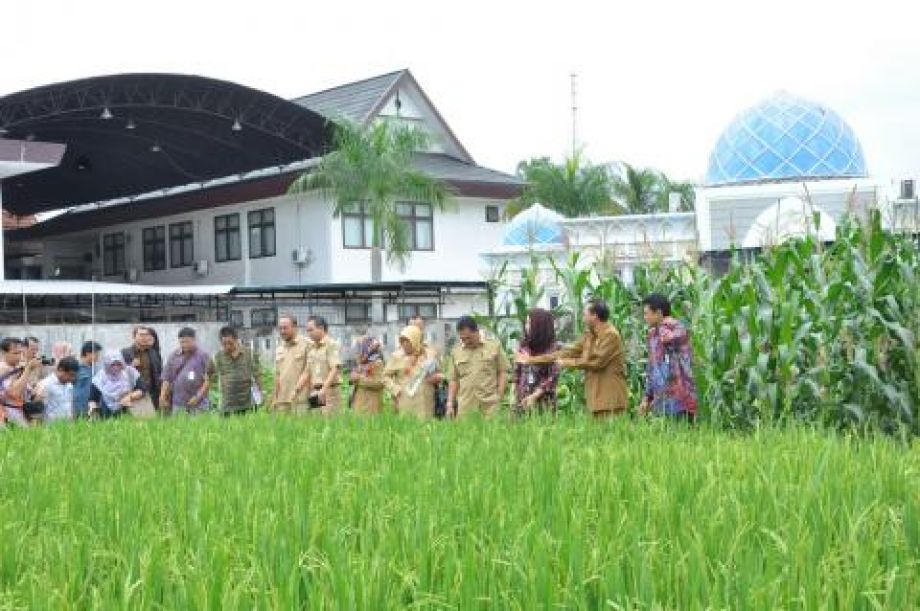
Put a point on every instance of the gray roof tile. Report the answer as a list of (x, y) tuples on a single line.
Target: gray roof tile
[(352, 101)]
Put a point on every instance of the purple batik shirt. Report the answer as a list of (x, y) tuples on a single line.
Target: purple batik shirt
[(186, 374)]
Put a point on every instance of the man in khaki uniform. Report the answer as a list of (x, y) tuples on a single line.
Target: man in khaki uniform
[(324, 366), (599, 353), (479, 372), (291, 374)]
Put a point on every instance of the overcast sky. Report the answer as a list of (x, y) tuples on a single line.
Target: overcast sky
[(657, 80)]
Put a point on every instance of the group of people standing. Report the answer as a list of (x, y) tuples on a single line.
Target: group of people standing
[(472, 378), (138, 380)]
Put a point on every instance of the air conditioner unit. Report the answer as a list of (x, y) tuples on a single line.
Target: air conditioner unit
[(302, 255), (132, 275), (201, 267), (908, 189)]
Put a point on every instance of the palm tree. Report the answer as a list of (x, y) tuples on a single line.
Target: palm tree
[(373, 167), (637, 191), (573, 188), (646, 190)]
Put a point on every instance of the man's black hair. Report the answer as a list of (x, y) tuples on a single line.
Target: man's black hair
[(599, 308), (89, 348), (68, 364), (9, 343), (658, 303), (30, 339), (467, 322), (187, 332), (319, 321), (228, 331)]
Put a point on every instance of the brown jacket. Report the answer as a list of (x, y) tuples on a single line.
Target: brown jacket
[(603, 360)]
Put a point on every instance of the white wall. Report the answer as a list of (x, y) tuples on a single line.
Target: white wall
[(729, 212), (460, 234)]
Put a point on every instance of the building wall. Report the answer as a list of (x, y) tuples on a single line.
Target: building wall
[(460, 234), (726, 214)]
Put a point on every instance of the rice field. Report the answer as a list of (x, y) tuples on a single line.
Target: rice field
[(303, 512)]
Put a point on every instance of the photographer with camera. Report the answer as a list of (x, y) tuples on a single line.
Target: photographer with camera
[(15, 375)]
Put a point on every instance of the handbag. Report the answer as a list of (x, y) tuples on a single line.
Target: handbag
[(143, 408)]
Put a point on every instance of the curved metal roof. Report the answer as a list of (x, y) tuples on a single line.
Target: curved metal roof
[(136, 133)]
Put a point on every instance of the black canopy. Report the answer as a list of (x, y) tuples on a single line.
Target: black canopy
[(137, 133)]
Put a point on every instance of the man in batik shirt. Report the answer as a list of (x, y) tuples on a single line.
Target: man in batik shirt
[(669, 387)]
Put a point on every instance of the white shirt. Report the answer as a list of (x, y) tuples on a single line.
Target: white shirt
[(58, 398)]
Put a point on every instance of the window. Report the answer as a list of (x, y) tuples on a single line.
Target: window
[(262, 233), (181, 245), (227, 238), (113, 254), (553, 302), (154, 248), (236, 319), (357, 227), (427, 311), (357, 312), (492, 214), (264, 318), (420, 222)]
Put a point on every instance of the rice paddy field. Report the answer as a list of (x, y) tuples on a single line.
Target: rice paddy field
[(274, 512)]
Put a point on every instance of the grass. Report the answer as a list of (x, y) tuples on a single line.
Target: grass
[(304, 512)]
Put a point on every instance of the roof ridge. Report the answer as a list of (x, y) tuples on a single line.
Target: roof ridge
[(394, 73)]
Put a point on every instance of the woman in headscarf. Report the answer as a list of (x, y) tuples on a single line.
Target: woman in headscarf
[(411, 374), (116, 386), (367, 378), (535, 385)]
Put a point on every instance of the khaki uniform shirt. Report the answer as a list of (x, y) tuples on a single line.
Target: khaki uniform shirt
[(401, 372), (368, 391), (290, 364), (475, 371), (603, 360), (322, 358)]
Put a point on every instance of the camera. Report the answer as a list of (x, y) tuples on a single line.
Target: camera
[(47, 361)]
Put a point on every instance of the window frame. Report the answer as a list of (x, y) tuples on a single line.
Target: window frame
[(256, 313), (183, 239), (224, 234), (407, 311), (413, 220), (498, 213), (110, 244), (366, 317), (150, 263), (262, 225)]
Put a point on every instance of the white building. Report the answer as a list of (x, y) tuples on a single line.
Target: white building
[(246, 231)]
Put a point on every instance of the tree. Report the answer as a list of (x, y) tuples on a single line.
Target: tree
[(573, 188), (373, 166), (646, 191)]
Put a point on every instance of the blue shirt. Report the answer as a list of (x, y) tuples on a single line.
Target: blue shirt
[(81, 387)]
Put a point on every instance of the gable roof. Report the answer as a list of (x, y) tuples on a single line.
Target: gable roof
[(355, 101), (361, 101)]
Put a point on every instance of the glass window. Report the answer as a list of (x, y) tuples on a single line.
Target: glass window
[(262, 233), (113, 254), (427, 311), (227, 245), (357, 227), (236, 319), (357, 312), (420, 221), (154, 239), (492, 214), (263, 318), (181, 245)]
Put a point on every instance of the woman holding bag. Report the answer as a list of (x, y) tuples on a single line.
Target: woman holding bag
[(117, 387)]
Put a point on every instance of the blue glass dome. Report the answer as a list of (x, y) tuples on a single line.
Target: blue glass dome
[(785, 138), (537, 226)]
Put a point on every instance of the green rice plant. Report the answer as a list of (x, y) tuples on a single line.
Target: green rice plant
[(285, 512)]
